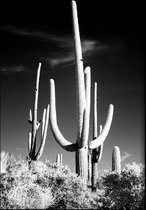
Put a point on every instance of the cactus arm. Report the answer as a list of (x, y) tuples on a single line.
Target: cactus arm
[(53, 122), (29, 143), (80, 83), (101, 138), (35, 108), (89, 167), (95, 134), (97, 152), (86, 117), (100, 148), (30, 116), (43, 140), (58, 159), (43, 121)]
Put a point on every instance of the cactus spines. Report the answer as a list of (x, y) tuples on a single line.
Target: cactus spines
[(116, 160), (82, 147), (33, 155)]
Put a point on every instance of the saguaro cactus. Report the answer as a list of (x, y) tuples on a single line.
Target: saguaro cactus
[(59, 159), (33, 155), (83, 92), (116, 160)]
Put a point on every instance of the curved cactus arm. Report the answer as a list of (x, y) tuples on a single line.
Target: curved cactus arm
[(53, 122), (99, 152), (86, 115), (43, 140), (101, 138), (101, 146)]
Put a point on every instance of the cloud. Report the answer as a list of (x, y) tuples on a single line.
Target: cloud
[(125, 156), (61, 47), (60, 60), (61, 41), (89, 48), (11, 69)]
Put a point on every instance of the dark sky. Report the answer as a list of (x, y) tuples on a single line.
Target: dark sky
[(112, 44)]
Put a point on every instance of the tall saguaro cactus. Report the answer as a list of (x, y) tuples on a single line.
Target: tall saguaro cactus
[(33, 155), (83, 97), (116, 160)]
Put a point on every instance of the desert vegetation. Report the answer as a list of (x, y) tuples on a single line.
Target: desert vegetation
[(49, 186)]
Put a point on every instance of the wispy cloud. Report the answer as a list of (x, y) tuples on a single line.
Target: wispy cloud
[(12, 69), (62, 52), (125, 156), (89, 48), (62, 41)]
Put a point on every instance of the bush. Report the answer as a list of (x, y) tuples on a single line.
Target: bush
[(124, 191), (19, 189), (30, 195), (68, 190), (7, 160), (55, 187), (43, 186)]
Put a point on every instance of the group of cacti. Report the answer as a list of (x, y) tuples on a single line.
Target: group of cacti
[(87, 153), (33, 154)]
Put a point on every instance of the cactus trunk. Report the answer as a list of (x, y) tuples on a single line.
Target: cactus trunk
[(82, 147), (116, 160), (82, 151)]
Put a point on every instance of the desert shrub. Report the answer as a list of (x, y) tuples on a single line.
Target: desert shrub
[(30, 196), (7, 160), (19, 189), (124, 191), (68, 189), (50, 186), (43, 186)]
